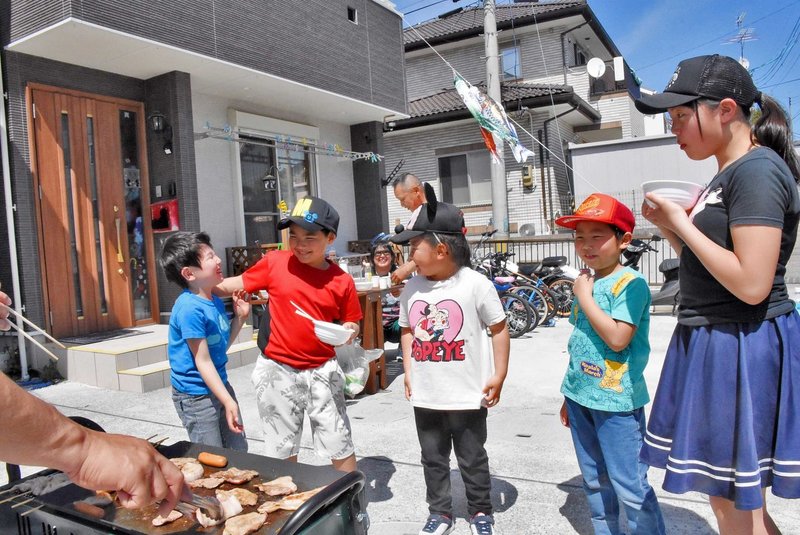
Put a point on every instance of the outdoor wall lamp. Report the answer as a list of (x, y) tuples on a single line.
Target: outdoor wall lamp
[(158, 124)]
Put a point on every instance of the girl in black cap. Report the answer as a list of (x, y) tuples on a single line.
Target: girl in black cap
[(724, 420)]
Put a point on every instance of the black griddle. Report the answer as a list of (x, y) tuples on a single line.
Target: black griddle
[(339, 509)]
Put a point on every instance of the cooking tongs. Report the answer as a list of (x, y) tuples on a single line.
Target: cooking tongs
[(208, 506)]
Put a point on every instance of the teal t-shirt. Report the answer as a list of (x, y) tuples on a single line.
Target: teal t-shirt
[(598, 377)]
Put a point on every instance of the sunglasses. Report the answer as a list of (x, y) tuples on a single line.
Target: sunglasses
[(382, 253)]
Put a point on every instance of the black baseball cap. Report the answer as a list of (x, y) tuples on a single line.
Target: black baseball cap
[(313, 214), (432, 216), (715, 77)]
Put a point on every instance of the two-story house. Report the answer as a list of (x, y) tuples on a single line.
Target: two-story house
[(544, 49), (130, 119)]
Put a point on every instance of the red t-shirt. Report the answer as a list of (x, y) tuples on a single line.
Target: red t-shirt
[(326, 294)]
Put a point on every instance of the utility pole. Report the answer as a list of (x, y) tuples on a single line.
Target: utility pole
[(499, 192)]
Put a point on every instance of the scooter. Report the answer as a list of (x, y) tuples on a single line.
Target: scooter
[(670, 291)]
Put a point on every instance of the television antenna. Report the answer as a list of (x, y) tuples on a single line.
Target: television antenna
[(742, 35)]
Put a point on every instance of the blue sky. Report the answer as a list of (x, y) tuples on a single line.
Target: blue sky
[(654, 35)]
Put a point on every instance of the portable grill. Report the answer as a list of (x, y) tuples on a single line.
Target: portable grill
[(340, 508)]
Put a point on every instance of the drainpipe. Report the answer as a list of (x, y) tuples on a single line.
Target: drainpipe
[(547, 145), (564, 48), (12, 233)]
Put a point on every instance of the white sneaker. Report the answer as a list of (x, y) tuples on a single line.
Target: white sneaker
[(481, 524), (437, 525)]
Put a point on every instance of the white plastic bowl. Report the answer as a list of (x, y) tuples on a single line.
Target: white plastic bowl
[(363, 285), (331, 333), (683, 193)]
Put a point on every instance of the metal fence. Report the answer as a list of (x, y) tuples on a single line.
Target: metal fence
[(532, 250)]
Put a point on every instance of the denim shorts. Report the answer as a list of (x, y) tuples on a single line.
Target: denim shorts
[(285, 394), (203, 416)]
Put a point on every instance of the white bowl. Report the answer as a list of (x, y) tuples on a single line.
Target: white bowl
[(331, 333), (683, 193), (363, 285)]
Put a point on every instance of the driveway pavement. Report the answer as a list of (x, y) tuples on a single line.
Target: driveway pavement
[(535, 477)]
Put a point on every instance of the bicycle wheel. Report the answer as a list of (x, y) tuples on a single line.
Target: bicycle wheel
[(540, 300), (518, 314), (562, 288)]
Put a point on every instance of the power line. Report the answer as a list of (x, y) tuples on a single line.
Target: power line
[(680, 54)]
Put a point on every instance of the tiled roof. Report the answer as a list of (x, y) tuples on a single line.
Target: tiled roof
[(471, 20), (448, 100)]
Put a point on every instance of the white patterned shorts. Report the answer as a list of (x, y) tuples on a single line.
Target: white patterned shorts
[(285, 394)]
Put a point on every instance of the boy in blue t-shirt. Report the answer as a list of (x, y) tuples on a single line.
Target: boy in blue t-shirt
[(604, 387), (199, 337)]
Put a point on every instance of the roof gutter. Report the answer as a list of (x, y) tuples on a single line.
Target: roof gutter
[(576, 102)]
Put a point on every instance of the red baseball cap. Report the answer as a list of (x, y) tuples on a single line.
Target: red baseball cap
[(603, 209)]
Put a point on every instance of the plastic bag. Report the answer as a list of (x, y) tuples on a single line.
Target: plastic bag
[(353, 361)]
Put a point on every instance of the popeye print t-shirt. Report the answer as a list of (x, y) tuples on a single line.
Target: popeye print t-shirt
[(451, 351)]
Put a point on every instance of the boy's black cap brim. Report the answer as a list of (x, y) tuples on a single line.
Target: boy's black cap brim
[(406, 236), (308, 225), (661, 102)]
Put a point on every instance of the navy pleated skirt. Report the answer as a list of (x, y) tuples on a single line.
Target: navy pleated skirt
[(726, 416)]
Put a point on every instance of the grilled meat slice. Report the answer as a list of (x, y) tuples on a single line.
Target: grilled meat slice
[(244, 496), (235, 476), (207, 483), (269, 507), (278, 487), (294, 501), (192, 471), (171, 517), (230, 507), (244, 524)]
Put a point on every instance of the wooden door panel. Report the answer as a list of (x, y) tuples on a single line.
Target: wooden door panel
[(53, 212), (73, 110), (115, 240), (78, 151)]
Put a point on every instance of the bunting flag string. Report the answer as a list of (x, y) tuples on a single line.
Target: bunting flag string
[(282, 141)]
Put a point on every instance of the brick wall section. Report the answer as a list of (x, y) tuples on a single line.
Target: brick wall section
[(171, 95), (308, 41)]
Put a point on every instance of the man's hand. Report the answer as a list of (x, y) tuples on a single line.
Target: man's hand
[(130, 466), (564, 414), (4, 323)]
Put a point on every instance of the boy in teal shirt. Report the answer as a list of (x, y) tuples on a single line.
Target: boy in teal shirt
[(604, 387)]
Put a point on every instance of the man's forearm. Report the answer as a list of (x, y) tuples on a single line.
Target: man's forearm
[(30, 421)]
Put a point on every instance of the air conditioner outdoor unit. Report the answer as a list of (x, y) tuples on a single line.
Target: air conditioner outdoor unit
[(528, 229)]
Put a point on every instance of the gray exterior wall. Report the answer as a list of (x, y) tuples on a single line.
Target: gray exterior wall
[(308, 41)]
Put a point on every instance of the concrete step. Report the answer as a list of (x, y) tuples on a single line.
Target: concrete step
[(157, 375), (102, 363)]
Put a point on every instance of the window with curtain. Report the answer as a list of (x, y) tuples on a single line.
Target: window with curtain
[(466, 178)]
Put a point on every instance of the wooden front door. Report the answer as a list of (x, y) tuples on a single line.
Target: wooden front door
[(90, 167)]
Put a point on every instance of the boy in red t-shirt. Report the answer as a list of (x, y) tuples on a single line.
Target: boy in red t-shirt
[(299, 374)]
